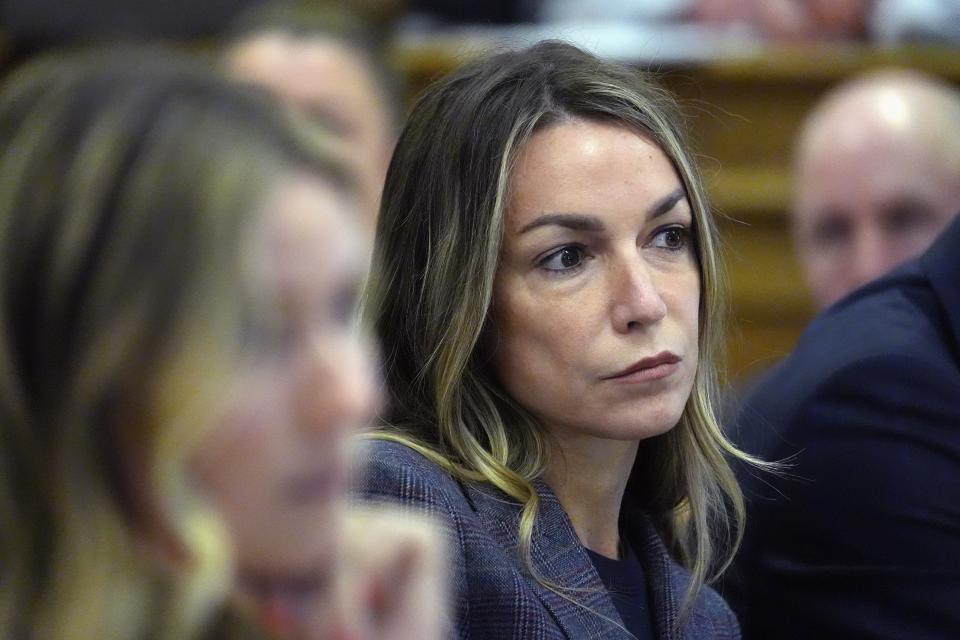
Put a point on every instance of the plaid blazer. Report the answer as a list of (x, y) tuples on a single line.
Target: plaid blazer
[(493, 598)]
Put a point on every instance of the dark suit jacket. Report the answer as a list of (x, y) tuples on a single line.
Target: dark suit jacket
[(864, 539), (493, 599)]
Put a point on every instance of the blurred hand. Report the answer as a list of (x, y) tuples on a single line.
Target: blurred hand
[(391, 583)]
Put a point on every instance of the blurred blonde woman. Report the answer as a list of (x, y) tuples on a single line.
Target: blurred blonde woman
[(137, 232), (547, 290)]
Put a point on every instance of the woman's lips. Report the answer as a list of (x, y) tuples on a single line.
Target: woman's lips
[(655, 367)]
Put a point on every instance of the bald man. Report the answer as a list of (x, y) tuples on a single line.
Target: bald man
[(861, 537), (877, 177), (323, 65)]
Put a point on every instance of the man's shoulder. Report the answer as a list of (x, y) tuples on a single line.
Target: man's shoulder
[(897, 317), (893, 328)]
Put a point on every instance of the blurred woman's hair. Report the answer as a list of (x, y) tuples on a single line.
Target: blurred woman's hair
[(437, 252), (129, 182)]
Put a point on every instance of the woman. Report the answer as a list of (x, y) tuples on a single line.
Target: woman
[(144, 203), (278, 465), (546, 287), (127, 191)]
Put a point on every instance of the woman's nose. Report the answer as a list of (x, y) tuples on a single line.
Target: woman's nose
[(337, 389), (636, 301)]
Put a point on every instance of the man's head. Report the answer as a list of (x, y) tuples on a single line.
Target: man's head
[(325, 66), (877, 177)]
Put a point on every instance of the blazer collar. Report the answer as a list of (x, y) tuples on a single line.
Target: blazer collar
[(560, 558), (665, 582), (942, 264)]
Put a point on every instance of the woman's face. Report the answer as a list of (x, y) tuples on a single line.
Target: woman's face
[(597, 295), (276, 465)]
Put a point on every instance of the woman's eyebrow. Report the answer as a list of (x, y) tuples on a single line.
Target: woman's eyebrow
[(575, 221), (666, 203), (591, 223)]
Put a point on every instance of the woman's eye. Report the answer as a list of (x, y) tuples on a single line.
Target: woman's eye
[(672, 238), (565, 259)]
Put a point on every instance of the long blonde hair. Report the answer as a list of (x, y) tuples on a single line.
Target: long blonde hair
[(128, 181), (437, 252)]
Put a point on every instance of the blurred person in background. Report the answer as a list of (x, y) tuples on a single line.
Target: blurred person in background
[(877, 177), (774, 19), (127, 191), (887, 21), (861, 539), (142, 203), (325, 63), (858, 539), (789, 19), (278, 465)]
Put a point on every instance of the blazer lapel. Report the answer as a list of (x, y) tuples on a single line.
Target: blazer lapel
[(559, 558), (662, 586)]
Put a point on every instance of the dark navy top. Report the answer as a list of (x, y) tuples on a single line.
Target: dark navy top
[(625, 581)]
